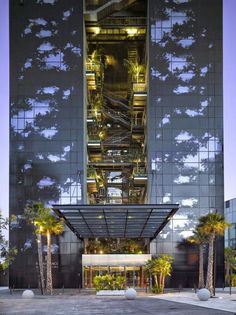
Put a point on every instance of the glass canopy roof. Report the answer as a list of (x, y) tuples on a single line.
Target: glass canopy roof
[(111, 221)]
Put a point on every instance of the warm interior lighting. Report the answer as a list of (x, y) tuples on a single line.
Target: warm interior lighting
[(91, 180), (96, 30), (131, 31), (140, 94), (94, 144)]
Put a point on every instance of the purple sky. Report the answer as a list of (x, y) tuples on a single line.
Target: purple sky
[(229, 101)]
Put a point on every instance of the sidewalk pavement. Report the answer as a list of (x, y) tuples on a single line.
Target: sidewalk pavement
[(222, 301), (87, 302)]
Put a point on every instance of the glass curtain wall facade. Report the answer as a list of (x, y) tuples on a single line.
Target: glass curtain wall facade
[(230, 216), (185, 122), (115, 104), (47, 128)]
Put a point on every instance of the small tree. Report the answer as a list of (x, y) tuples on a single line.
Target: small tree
[(135, 69), (160, 268), (137, 156), (47, 224), (7, 253), (200, 239), (212, 224), (230, 263)]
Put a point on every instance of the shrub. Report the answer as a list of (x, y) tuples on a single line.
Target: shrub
[(159, 268), (109, 282), (233, 280), (157, 290)]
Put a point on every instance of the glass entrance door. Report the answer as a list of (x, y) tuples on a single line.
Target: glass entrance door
[(134, 275)]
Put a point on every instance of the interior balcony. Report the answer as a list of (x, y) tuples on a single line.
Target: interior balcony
[(93, 116), (91, 80), (94, 73), (138, 122), (139, 100), (92, 185), (140, 176), (139, 87), (110, 165), (93, 143), (122, 33)]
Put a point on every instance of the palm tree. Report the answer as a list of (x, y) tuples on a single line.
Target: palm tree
[(159, 268), (230, 262), (47, 224), (31, 212), (212, 224), (200, 239)]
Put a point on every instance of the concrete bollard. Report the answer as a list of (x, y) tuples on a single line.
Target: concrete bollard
[(130, 294), (203, 294), (28, 294)]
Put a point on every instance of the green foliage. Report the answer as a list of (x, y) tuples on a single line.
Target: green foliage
[(233, 280), (212, 224), (230, 265), (91, 172), (157, 290), (109, 282), (135, 69), (159, 268), (46, 224), (43, 220), (131, 246), (8, 256), (108, 246), (95, 247), (230, 257), (198, 237), (7, 253)]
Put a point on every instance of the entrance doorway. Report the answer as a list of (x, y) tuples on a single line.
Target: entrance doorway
[(134, 275), (130, 266)]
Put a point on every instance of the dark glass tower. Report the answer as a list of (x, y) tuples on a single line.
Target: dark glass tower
[(47, 126), (86, 128), (185, 121)]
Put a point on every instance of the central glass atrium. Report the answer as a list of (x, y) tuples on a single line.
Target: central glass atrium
[(116, 102), (116, 98)]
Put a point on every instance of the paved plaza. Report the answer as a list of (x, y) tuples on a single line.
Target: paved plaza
[(71, 303), (223, 300)]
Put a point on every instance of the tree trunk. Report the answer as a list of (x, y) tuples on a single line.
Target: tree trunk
[(155, 280), (49, 264), (201, 268), (40, 262), (209, 281), (160, 282), (163, 284)]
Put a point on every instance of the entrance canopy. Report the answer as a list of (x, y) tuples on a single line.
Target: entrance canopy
[(120, 220)]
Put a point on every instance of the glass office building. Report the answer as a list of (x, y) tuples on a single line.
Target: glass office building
[(115, 103), (230, 216)]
